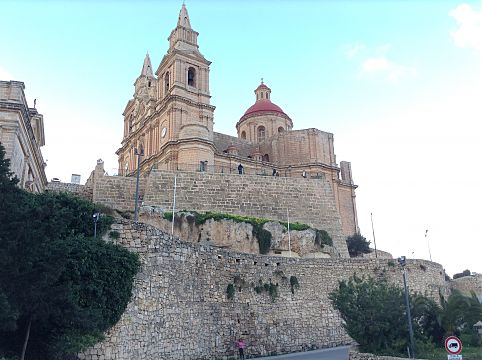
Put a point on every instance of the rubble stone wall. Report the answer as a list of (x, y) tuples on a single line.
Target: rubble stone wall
[(81, 190), (180, 307)]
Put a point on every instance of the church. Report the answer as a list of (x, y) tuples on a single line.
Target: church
[(168, 125)]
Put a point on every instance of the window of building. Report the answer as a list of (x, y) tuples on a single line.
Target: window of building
[(243, 135), (149, 84), (191, 77), (131, 123), (166, 82), (281, 129), (261, 95), (267, 95), (261, 133), (266, 157)]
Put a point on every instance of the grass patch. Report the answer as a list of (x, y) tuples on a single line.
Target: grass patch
[(468, 353)]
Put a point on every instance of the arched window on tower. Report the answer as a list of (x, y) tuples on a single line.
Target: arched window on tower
[(191, 77), (267, 95), (266, 157), (243, 135), (261, 133), (166, 82), (131, 123), (281, 129), (261, 95)]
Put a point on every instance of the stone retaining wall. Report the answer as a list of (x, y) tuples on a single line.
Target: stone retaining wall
[(180, 308), (310, 201), (81, 190)]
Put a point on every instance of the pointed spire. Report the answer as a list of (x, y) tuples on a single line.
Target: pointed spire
[(184, 18), (147, 67)]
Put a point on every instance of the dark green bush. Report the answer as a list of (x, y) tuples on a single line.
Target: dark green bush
[(230, 291), (294, 284), (357, 245), (323, 238)]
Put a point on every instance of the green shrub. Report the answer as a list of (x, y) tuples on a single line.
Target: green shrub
[(264, 238), (462, 274), (167, 215), (294, 284), (357, 245), (323, 238), (296, 226), (114, 234), (273, 291), (230, 291)]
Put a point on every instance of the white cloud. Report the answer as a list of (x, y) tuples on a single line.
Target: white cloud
[(354, 49), (468, 32), (390, 71)]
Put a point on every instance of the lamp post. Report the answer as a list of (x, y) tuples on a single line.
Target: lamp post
[(95, 217), (138, 154), (402, 261)]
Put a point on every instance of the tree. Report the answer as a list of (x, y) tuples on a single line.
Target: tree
[(462, 274), (60, 289), (460, 313), (374, 314), (357, 245)]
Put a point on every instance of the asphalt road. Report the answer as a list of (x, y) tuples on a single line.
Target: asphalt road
[(339, 353)]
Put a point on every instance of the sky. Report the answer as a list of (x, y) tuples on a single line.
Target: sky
[(398, 83)]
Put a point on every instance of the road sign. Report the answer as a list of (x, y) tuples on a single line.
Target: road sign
[(453, 345), (454, 357)]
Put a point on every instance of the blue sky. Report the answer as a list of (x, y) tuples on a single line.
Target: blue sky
[(397, 82)]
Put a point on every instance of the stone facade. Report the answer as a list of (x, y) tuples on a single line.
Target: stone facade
[(22, 135), (169, 124), (180, 308)]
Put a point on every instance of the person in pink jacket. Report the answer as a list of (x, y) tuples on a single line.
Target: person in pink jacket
[(241, 345)]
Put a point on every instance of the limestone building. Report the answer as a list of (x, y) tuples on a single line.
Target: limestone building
[(22, 135), (168, 125)]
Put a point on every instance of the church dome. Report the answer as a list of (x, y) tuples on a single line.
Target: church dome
[(263, 103)]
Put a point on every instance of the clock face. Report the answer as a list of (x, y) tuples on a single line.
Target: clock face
[(163, 132)]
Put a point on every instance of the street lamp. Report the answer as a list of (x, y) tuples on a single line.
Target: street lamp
[(138, 154), (95, 217), (403, 261)]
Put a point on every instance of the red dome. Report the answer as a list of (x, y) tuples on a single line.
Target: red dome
[(263, 105)]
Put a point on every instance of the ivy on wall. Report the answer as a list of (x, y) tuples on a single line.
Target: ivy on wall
[(270, 287)]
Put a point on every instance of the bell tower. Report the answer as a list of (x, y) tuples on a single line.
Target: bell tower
[(183, 92)]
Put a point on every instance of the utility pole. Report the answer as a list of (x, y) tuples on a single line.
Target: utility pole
[(428, 245), (138, 154), (289, 236), (402, 261), (174, 205), (373, 231)]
